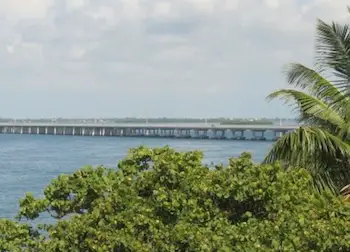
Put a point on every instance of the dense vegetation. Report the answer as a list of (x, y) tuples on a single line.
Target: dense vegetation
[(322, 143), (164, 200)]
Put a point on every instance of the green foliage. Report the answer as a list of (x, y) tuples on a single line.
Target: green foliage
[(16, 237), (164, 200), (322, 144)]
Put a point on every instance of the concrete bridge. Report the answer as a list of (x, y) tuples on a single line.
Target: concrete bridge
[(180, 130)]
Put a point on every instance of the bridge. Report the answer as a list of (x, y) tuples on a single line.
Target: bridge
[(179, 130)]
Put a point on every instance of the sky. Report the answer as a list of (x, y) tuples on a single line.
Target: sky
[(153, 58)]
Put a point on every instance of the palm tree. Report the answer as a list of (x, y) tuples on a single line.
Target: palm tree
[(321, 97), (345, 191)]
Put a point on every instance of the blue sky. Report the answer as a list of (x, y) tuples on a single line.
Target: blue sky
[(174, 58)]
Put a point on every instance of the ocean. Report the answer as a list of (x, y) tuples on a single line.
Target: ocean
[(29, 162)]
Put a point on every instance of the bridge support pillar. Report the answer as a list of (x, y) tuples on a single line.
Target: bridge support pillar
[(261, 137), (254, 135), (223, 134), (215, 133), (278, 134), (241, 135)]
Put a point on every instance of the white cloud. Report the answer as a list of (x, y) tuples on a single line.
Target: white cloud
[(163, 9), (274, 4), (18, 9), (227, 52), (131, 9), (175, 53), (230, 5), (75, 4), (203, 5), (104, 13)]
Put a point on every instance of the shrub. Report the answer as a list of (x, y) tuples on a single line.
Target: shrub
[(164, 200)]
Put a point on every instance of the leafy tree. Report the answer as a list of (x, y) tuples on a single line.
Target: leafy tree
[(164, 200), (321, 99)]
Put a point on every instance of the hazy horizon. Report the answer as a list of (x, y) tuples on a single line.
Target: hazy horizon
[(139, 118)]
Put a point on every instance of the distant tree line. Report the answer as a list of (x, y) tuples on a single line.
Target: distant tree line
[(223, 121)]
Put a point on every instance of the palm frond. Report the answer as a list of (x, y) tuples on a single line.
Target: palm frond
[(308, 106), (323, 181), (318, 86), (345, 192), (324, 155), (298, 146), (333, 49)]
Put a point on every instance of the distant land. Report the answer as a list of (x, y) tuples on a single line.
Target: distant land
[(162, 120)]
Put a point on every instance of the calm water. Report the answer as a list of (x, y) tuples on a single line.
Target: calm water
[(30, 162)]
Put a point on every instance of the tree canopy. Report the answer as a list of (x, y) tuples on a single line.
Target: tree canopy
[(321, 99), (164, 200)]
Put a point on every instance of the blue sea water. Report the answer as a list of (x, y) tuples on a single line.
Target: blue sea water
[(30, 162)]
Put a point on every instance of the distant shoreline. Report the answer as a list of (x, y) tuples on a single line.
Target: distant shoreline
[(220, 120), (257, 122)]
